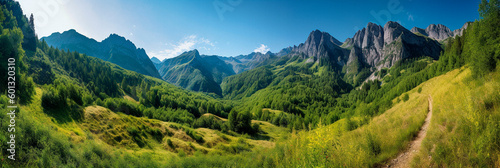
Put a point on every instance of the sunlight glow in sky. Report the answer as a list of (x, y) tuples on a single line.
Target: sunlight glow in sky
[(166, 28)]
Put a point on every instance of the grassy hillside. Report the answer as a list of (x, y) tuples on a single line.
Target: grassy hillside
[(50, 140), (465, 127), (463, 134), (343, 144)]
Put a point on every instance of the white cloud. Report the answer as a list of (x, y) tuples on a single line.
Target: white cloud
[(186, 44), (262, 49)]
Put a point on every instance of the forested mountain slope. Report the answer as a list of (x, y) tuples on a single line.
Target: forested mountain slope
[(194, 72), (115, 49)]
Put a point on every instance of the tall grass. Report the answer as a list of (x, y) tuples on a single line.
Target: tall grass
[(371, 144), (465, 130)]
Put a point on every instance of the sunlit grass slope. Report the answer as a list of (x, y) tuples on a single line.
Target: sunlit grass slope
[(114, 139), (465, 128), (377, 141)]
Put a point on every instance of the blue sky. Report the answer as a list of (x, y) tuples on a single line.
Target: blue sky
[(166, 28)]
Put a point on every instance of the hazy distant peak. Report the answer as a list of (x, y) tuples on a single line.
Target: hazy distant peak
[(155, 60)]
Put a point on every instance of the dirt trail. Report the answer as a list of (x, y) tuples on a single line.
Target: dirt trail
[(404, 159)]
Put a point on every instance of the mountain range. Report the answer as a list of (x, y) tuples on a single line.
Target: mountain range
[(115, 49), (370, 50), (358, 58)]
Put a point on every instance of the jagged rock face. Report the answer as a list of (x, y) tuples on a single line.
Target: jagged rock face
[(393, 30), (400, 44), (321, 46), (438, 32), (371, 42), (460, 32), (419, 30), (284, 51), (382, 47), (355, 58), (373, 46)]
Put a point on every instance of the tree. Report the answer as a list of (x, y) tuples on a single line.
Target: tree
[(406, 97), (30, 38), (240, 122), (233, 119), (483, 39)]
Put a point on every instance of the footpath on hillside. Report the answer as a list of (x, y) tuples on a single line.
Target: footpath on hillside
[(404, 159)]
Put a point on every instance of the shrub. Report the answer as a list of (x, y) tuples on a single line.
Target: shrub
[(155, 133), (194, 135), (27, 88), (406, 97), (255, 128), (169, 143), (75, 94), (52, 100), (208, 122), (136, 136)]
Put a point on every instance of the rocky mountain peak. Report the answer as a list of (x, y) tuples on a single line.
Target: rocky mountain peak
[(284, 51), (378, 47), (438, 32), (419, 30), (373, 36), (320, 45), (369, 41), (460, 32), (318, 37), (393, 30)]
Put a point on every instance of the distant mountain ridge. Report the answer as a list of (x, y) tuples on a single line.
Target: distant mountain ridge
[(156, 62), (192, 71), (439, 32), (253, 60), (115, 49)]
